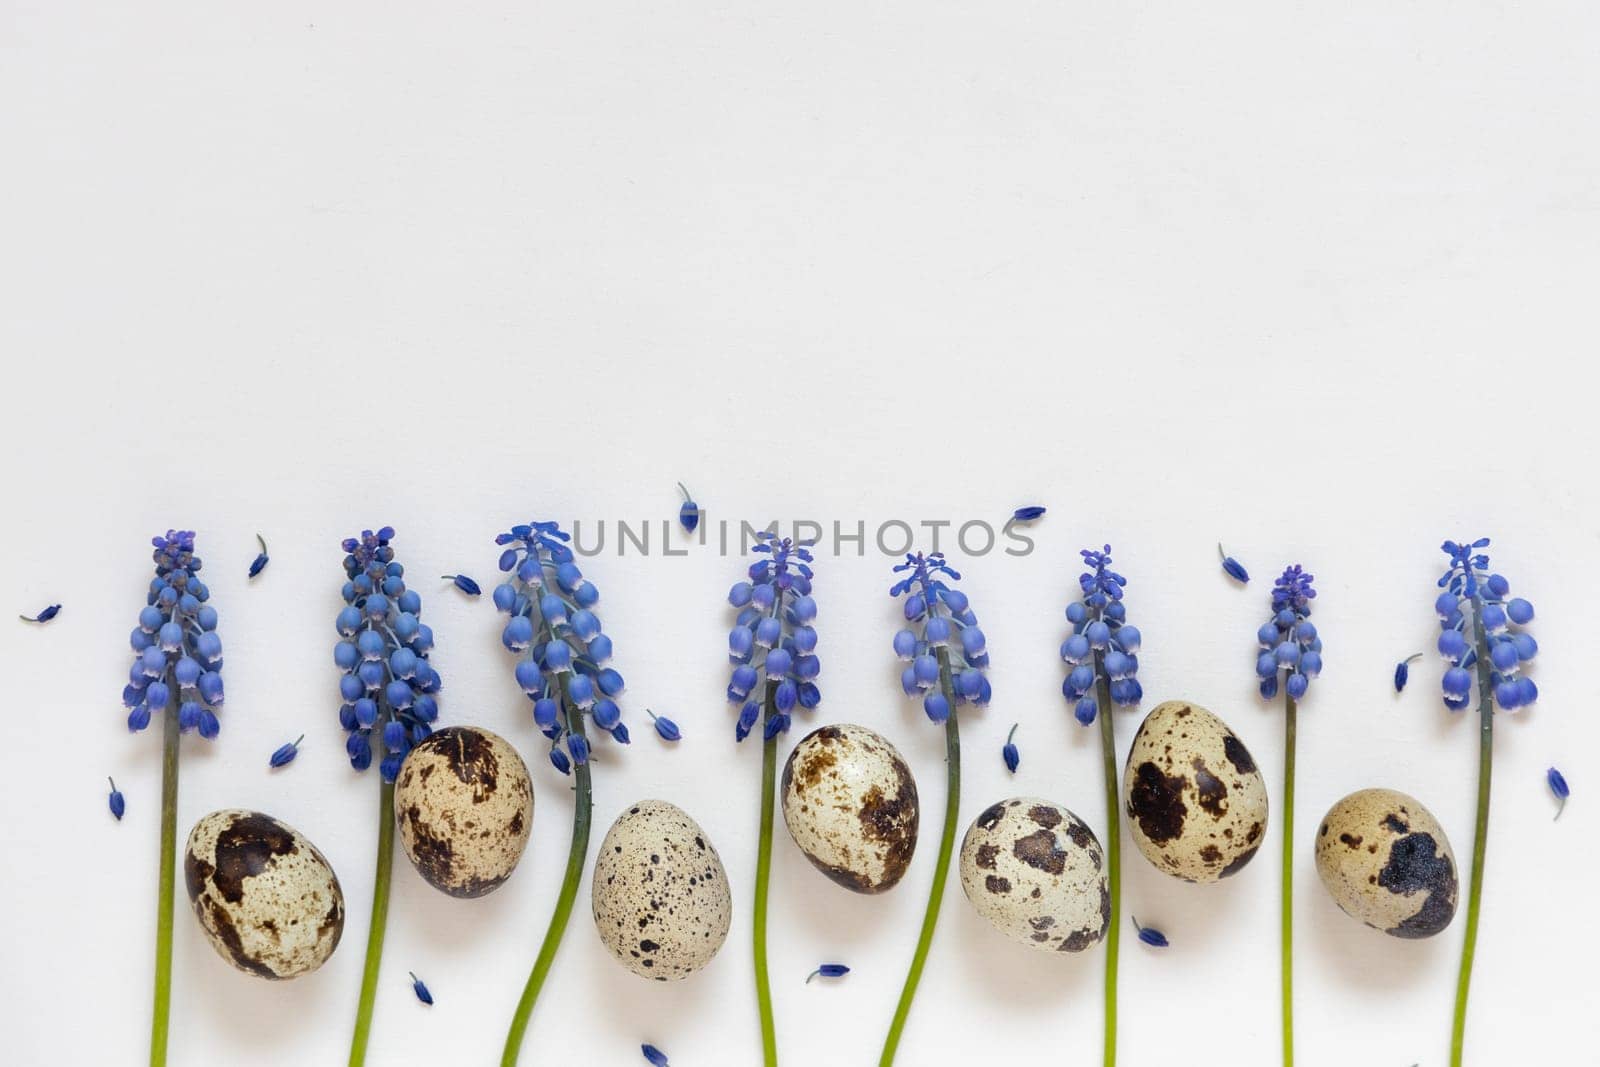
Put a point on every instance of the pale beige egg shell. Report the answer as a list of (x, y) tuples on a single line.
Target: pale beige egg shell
[(660, 895), (850, 804), (268, 901), (1385, 860), (1036, 872), (464, 804), (1196, 803)]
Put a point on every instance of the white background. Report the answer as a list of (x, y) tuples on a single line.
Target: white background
[(1319, 283)]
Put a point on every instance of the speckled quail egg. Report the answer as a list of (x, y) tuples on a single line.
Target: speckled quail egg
[(1035, 870), (1196, 804), (851, 805), (1384, 859), (660, 896), (268, 901), (464, 803)]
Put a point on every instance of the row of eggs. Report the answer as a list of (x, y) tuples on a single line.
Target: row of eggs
[(270, 903)]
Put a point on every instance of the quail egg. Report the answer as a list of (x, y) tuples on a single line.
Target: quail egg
[(850, 804), (1035, 870), (1384, 859)]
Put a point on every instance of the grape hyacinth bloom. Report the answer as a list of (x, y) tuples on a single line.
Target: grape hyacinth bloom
[(1484, 642), (773, 650), (653, 1056), (285, 754), (1402, 671), (1288, 656), (465, 584), (388, 692), (1150, 935), (828, 970), (1009, 752), (1026, 514), (1232, 567), (118, 805), (177, 675), (259, 564), (562, 658), (689, 513), (44, 616), (1553, 778), (1102, 656), (666, 729), (945, 656), (420, 989)]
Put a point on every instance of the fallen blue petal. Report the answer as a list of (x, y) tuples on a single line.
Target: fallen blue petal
[(421, 990), (654, 1056), (1233, 567), (689, 513), (1028, 513), (1558, 786), (1150, 935), (465, 584), (665, 727), (118, 805), (286, 753), (1009, 753), (1402, 671), (44, 616), (829, 970)]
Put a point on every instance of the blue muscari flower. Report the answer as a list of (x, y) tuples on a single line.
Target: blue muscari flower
[(1009, 752), (1469, 590), (1233, 567), (118, 805), (1554, 778), (1026, 513), (44, 616), (1150, 935), (653, 1055), (286, 753), (689, 513), (664, 726), (420, 990), (177, 655), (937, 610), (828, 970), (388, 685), (1402, 671), (773, 637), (561, 651), (465, 584), (1287, 643), (1101, 642), (259, 564)]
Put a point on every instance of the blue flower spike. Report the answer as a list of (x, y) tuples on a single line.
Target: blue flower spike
[(689, 513), (118, 805), (562, 652), (420, 990), (259, 564), (44, 616), (773, 643), (1402, 670), (1554, 778), (653, 1056), (463, 583), (942, 627), (828, 970), (389, 690), (1102, 646), (1150, 935), (665, 727), (1476, 609), (1288, 648), (1233, 567), (177, 655), (1009, 752), (286, 753)]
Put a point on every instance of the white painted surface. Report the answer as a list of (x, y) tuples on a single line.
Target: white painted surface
[(1311, 281)]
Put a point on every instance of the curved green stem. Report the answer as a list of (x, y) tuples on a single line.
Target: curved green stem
[(769, 778), (582, 809), (1108, 755), (380, 922), (941, 872), (1287, 916), (1458, 1031), (162, 1011)]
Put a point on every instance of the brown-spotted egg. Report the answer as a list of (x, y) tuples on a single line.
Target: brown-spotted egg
[(1196, 804), (464, 803), (1384, 859), (660, 896), (850, 804), (1036, 871), (268, 901)]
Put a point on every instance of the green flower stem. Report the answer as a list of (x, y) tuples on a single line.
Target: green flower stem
[(1287, 917), (941, 872), (1480, 841), (380, 921), (769, 778), (1108, 755), (165, 878), (582, 810)]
